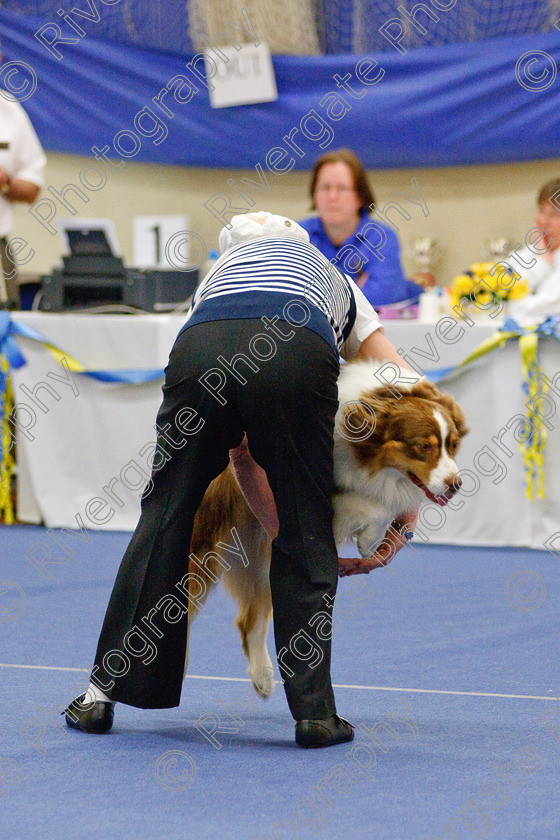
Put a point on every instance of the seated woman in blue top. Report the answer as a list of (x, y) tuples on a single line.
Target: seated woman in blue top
[(344, 232)]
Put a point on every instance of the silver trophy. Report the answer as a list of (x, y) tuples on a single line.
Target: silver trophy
[(426, 252), (499, 247)]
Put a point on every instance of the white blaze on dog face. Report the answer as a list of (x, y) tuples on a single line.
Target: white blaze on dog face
[(415, 436), (416, 433), (428, 445), (442, 477)]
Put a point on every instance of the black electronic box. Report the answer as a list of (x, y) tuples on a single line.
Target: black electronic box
[(91, 276)]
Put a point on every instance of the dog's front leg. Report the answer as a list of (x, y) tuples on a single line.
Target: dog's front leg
[(356, 515), (370, 536)]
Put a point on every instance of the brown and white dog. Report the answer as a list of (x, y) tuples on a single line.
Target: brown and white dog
[(393, 448)]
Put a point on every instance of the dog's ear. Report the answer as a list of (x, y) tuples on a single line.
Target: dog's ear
[(365, 418), (458, 418), (456, 413), (358, 420), (430, 392)]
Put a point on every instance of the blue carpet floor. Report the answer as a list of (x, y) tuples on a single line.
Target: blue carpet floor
[(447, 663)]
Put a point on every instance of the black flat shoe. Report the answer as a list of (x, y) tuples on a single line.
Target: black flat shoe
[(90, 717), (323, 733)]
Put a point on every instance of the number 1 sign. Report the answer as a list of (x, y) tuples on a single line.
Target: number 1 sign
[(151, 237)]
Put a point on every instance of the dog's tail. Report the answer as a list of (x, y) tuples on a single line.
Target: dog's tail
[(222, 517)]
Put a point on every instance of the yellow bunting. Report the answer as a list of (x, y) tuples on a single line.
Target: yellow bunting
[(7, 465), (486, 346), (73, 365), (532, 448)]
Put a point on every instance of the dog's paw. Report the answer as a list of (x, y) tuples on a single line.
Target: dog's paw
[(368, 539), (263, 681)]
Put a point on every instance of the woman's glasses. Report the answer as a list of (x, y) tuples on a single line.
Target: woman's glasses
[(338, 188)]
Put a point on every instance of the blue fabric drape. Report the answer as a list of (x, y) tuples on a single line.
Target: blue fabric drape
[(436, 106)]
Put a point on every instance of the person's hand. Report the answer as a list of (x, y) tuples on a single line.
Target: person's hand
[(397, 535), (358, 565)]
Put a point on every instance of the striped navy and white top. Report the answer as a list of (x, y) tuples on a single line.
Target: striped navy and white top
[(280, 277)]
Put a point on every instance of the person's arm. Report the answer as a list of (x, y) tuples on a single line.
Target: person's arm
[(540, 304), (377, 346), (27, 164), (397, 535)]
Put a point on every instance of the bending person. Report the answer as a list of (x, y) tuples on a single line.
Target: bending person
[(259, 355)]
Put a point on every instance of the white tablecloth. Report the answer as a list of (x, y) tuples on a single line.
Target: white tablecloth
[(84, 458), (82, 444), (491, 394)]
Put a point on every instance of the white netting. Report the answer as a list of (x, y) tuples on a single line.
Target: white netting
[(287, 26), (304, 26), (466, 21)]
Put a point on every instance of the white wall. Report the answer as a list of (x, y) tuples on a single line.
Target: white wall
[(467, 205)]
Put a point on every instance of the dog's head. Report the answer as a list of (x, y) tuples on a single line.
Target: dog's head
[(418, 434)]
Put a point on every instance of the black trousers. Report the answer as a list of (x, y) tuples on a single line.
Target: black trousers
[(286, 402)]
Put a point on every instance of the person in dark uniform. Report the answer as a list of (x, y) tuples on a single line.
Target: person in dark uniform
[(258, 356)]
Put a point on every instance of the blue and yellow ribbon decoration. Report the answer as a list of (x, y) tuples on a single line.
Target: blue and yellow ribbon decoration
[(533, 444), (9, 329), (11, 358), (7, 464), (531, 447)]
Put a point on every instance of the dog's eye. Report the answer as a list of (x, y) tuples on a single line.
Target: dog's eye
[(424, 447)]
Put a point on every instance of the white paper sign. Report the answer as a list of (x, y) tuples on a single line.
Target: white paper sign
[(240, 77), (158, 242), (86, 225)]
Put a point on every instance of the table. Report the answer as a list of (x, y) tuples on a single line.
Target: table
[(85, 458), (494, 509), (84, 447)]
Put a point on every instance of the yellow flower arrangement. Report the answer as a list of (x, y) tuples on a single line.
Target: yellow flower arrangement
[(482, 287)]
